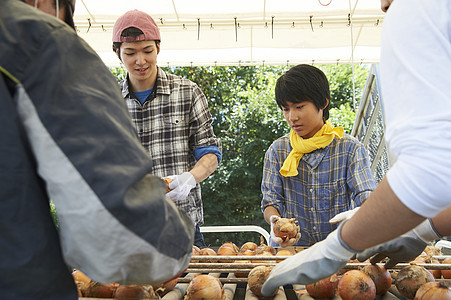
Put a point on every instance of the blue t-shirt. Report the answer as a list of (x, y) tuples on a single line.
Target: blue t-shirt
[(142, 95)]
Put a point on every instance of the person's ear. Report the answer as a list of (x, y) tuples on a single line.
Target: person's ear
[(327, 103), (118, 54), (158, 47)]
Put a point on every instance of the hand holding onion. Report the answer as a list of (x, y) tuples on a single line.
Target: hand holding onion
[(284, 232)]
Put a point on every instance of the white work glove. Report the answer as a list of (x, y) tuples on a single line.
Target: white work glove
[(319, 261), (278, 240), (344, 216), (181, 185), (404, 248)]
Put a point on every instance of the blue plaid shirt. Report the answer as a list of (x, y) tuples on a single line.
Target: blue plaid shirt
[(330, 180)]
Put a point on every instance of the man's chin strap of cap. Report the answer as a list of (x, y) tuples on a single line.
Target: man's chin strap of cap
[(56, 5)]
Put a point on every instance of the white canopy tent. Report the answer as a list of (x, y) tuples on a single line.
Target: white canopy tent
[(244, 32)]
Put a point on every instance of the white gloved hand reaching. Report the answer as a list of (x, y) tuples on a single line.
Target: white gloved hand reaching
[(404, 248), (344, 216), (278, 240), (181, 185)]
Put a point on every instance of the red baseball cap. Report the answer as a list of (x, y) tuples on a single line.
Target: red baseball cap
[(140, 20)]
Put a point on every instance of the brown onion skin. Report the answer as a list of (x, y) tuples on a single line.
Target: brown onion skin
[(424, 288), (286, 228), (446, 273), (440, 292), (100, 290), (380, 276), (428, 259), (164, 288), (204, 286), (232, 245), (208, 251), (195, 251), (248, 246), (433, 291), (226, 250), (131, 292), (356, 285), (79, 276), (410, 278), (324, 289), (244, 253), (257, 277)]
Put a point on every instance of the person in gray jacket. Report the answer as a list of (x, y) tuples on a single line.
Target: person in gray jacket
[(66, 135)]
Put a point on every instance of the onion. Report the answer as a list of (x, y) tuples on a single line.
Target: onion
[(264, 248), (380, 276), (356, 285), (100, 290), (410, 278), (196, 251), (433, 291), (324, 289), (286, 228), (204, 286), (245, 273), (231, 245), (265, 253), (428, 259), (79, 276), (132, 292), (167, 181), (284, 252), (164, 288), (208, 251), (248, 246), (446, 273), (256, 279), (432, 250), (227, 250)]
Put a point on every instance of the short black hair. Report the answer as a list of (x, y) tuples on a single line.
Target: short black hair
[(130, 32), (304, 83)]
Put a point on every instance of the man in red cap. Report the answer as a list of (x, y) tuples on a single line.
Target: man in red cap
[(170, 114)]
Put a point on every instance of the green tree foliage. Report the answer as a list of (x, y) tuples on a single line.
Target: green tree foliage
[(247, 119)]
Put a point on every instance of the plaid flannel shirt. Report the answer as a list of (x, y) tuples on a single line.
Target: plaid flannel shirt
[(173, 121), (330, 180)]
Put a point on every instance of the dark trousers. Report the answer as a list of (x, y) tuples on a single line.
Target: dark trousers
[(199, 238)]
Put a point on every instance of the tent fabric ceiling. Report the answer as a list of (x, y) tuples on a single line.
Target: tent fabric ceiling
[(244, 32)]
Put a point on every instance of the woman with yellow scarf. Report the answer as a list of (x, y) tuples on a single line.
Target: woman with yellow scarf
[(316, 171)]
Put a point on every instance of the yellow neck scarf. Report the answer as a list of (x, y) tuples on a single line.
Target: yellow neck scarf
[(321, 139)]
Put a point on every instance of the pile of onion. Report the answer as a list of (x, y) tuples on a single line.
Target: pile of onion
[(286, 228), (356, 285), (433, 291), (257, 277), (410, 278), (204, 286), (380, 276), (326, 288)]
